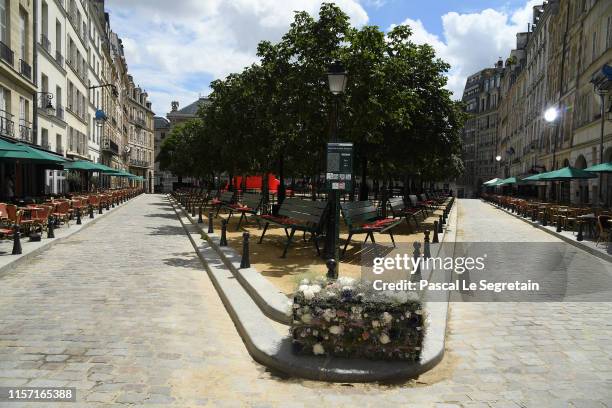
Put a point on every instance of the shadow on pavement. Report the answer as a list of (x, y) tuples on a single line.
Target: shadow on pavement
[(170, 216), (184, 260), (167, 230)]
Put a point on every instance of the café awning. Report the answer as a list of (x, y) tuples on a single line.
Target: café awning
[(28, 154), (600, 168), (567, 173)]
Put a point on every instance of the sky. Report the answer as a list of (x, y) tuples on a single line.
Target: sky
[(174, 49)]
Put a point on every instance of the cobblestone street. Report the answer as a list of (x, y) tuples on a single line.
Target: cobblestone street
[(124, 312)]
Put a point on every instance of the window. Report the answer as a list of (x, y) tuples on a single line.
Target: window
[(4, 21), (44, 16), (23, 35), (44, 139), (58, 38)]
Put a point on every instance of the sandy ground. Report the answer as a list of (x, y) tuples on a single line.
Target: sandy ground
[(302, 260)]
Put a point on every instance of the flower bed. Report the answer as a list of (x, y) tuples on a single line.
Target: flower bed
[(347, 318)]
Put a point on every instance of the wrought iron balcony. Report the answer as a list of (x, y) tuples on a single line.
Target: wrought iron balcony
[(45, 43), (7, 126), (139, 163), (110, 146), (6, 53), (25, 131), (25, 69)]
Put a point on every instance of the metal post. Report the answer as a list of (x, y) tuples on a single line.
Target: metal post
[(91, 211), (16, 240), (50, 228), (440, 224), (602, 96), (100, 207), (435, 233), (331, 269), (200, 220), (333, 227), (245, 261), (426, 248), (223, 241), (78, 216), (210, 223)]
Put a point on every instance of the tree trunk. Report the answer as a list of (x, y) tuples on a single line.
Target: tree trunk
[(363, 188)]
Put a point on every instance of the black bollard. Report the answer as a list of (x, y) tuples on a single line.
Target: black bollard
[(444, 215), (544, 219), (210, 223), (78, 215), (100, 208), (426, 249), (50, 228), (436, 239), (193, 210), (16, 240), (91, 214), (580, 236), (440, 224), (559, 229), (534, 215), (200, 220), (331, 269), (223, 241), (245, 261)]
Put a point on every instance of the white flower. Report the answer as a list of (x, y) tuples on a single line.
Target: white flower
[(309, 294), (307, 318), (315, 288), (387, 318), (408, 313), (315, 332), (375, 323), (318, 349), (345, 281), (335, 330), (304, 282), (384, 339), (329, 314), (303, 288)]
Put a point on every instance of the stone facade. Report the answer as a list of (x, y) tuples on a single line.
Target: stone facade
[(70, 92), (552, 66)]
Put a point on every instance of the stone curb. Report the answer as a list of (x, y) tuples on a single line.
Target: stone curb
[(272, 349), (577, 244), (270, 300), (47, 243)]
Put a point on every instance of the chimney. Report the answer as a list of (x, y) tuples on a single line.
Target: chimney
[(175, 106)]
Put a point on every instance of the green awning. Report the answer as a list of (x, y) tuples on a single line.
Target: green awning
[(492, 182), (82, 165), (600, 168), (8, 146), (536, 177), (567, 173), (33, 155), (510, 180)]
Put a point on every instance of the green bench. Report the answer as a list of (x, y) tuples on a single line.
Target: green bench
[(250, 203), (362, 217), (294, 215)]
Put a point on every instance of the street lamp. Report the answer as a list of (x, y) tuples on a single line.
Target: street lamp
[(48, 106), (602, 83), (337, 79)]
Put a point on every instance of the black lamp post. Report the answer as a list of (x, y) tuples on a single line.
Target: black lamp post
[(551, 116), (337, 79), (602, 83)]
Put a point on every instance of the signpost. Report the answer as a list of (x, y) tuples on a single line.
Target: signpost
[(339, 177), (339, 166)]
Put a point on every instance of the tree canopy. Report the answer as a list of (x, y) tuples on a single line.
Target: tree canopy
[(395, 109)]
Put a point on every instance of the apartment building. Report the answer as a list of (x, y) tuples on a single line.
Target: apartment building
[(481, 97), (140, 133), (553, 66)]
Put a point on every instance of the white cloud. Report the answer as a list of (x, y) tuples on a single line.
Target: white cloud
[(170, 43), (473, 41)]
